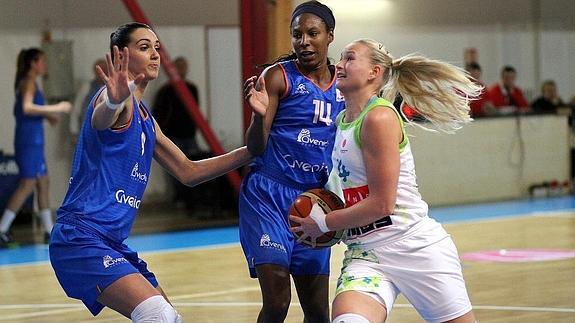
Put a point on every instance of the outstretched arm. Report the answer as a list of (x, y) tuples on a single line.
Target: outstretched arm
[(49, 111), (191, 172)]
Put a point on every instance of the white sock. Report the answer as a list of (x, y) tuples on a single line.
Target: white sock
[(7, 219), (46, 217)]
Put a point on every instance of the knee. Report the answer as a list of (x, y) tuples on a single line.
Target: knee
[(276, 307), (43, 182), (155, 309), (27, 185)]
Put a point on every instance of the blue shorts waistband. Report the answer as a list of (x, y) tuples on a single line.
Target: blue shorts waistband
[(276, 175), (70, 219)]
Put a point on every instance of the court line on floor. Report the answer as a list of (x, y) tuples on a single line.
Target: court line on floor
[(565, 213), (171, 241), (475, 307), (61, 308), (223, 292)]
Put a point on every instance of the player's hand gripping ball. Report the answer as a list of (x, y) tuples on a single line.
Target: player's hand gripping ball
[(328, 201)]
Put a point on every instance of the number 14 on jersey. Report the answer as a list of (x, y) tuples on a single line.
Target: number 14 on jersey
[(322, 112)]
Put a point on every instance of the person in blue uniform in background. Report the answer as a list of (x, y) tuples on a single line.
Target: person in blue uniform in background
[(295, 140), (30, 111), (110, 172)]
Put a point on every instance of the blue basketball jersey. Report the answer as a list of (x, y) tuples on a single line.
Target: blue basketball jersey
[(302, 135), (110, 172), (29, 129), (297, 158)]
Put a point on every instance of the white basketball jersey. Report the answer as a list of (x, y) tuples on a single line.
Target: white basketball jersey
[(348, 163)]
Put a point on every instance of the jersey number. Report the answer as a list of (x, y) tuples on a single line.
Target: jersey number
[(322, 112)]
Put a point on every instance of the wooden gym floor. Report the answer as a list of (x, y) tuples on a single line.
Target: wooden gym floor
[(518, 258)]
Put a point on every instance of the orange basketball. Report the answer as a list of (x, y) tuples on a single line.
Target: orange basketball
[(328, 201)]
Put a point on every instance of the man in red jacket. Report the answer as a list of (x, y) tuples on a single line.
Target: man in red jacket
[(505, 96)]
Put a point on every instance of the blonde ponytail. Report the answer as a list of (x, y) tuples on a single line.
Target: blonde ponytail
[(439, 91)]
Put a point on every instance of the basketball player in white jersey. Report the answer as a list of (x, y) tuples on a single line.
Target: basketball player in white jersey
[(393, 245)]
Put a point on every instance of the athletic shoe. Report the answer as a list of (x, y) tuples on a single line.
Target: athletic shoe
[(6, 240)]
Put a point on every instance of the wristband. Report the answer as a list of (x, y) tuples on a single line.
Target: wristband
[(131, 86), (317, 214), (116, 106), (113, 106)]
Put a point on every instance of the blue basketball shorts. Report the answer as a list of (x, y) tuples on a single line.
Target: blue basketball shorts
[(30, 160), (264, 229), (85, 264)]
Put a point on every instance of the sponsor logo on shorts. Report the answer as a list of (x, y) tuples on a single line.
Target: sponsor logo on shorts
[(109, 261), (137, 176), (305, 138), (265, 242), (123, 198), (304, 166), (8, 168)]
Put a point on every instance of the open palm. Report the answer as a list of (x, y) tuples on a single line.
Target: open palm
[(117, 79), (257, 99)]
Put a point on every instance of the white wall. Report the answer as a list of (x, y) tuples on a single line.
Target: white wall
[(225, 86), (491, 159), (88, 45)]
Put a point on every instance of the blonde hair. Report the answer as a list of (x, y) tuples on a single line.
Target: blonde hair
[(439, 91)]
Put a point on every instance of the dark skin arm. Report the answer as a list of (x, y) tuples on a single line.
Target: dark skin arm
[(268, 100)]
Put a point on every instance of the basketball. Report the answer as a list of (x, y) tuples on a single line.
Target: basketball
[(328, 201)]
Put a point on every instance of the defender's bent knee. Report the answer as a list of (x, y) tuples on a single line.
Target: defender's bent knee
[(155, 309)]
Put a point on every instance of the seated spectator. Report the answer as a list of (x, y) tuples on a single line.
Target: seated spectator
[(549, 100), (482, 106), (505, 96)]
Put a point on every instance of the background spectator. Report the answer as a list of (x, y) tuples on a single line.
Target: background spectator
[(175, 121), (482, 106), (549, 100), (505, 95), (83, 97)]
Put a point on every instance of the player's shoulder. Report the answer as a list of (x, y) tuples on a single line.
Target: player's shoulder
[(275, 78), (381, 114), (28, 84)]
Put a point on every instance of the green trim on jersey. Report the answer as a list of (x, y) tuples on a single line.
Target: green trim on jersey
[(358, 123)]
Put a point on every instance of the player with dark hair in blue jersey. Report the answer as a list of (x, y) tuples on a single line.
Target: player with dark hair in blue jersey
[(295, 141), (110, 172), (30, 111)]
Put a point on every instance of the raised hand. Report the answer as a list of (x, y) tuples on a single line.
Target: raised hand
[(117, 80), (258, 99)]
